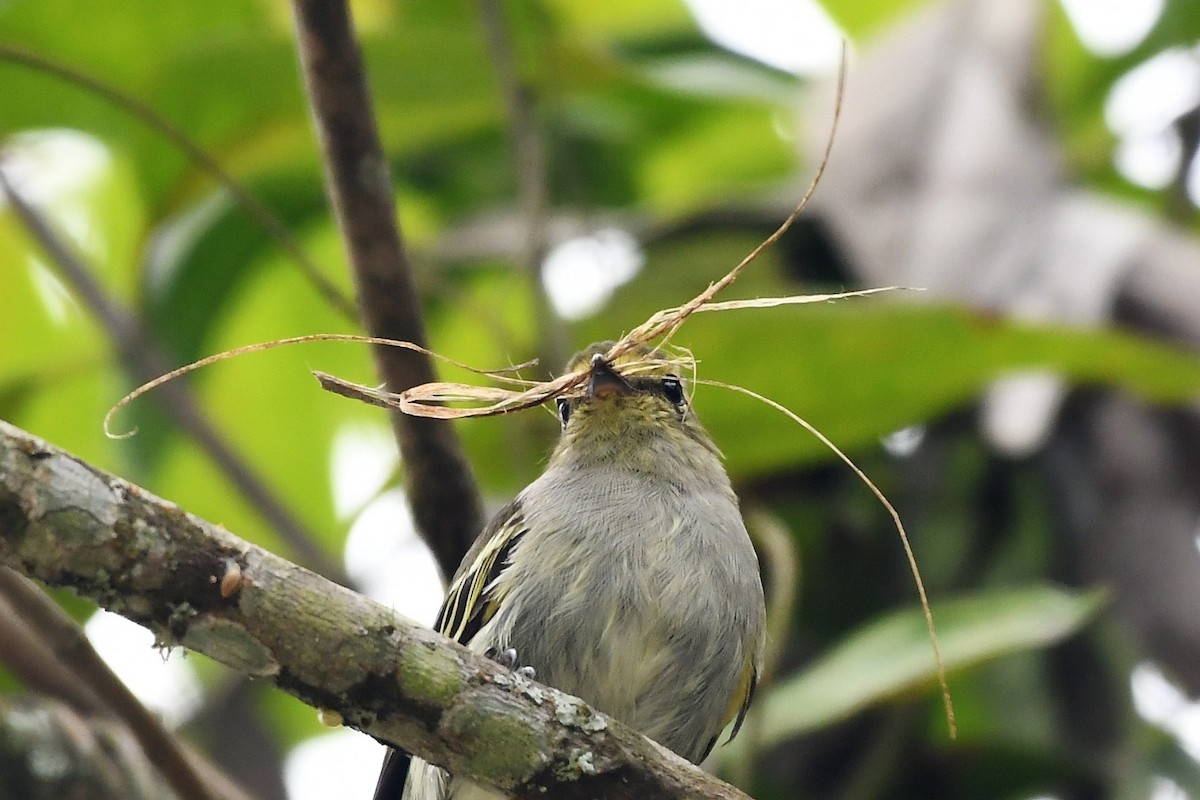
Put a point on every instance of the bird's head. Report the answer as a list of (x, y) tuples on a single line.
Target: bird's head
[(634, 409)]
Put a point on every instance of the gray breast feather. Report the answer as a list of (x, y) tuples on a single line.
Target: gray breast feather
[(602, 599)]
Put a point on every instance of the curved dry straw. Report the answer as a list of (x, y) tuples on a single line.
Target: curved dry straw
[(943, 685), (431, 399), (428, 400), (502, 374)]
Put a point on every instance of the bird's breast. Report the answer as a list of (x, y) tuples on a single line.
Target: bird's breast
[(638, 596)]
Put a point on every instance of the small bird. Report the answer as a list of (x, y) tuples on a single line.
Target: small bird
[(623, 575)]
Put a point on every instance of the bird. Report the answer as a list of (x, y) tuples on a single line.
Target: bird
[(623, 575)]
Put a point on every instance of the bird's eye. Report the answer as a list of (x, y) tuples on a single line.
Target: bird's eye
[(564, 411), (673, 389)]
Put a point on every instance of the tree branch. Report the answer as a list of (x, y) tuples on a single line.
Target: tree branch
[(441, 487), (67, 640), (60, 680), (41, 646), (265, 218), (145, 361), (31, 663), (77, 756), (195, 584), (530, 162)]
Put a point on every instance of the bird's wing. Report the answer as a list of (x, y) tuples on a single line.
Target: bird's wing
[(743, 697), (471, 600), (468, 606), (739, 704)]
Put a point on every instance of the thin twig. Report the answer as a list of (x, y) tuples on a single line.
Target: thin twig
[(265, 218), (62, 635), (441, 488), (145, 361), (23, 651), (532, 173), (28, 654)]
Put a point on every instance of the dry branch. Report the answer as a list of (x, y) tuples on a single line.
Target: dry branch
[(69, 645), (49, 751), (441, 487), (194, 584)]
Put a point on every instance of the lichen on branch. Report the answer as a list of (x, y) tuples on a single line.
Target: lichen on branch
[(195, 584)]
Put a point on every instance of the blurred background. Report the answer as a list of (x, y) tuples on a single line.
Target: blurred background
[(1030, 165)]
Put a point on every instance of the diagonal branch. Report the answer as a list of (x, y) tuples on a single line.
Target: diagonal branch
[(36, 666), (532, 172), (90, 757), (195, 584), (268, 221), (145, 361), (49, 653), (441, 487), (31, 660), (62, 635)]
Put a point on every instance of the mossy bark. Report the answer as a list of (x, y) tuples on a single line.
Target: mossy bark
[(195, 584)]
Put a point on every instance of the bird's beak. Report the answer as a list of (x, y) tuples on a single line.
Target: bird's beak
[(605, 382)]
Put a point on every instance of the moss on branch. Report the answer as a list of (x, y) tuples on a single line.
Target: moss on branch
[(195, 584)]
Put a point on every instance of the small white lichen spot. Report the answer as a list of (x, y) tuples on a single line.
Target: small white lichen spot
[(566, 710), (594, 724), (534, 693), (584, 761)]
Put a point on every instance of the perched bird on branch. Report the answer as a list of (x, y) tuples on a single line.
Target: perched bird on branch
[(623, 575)]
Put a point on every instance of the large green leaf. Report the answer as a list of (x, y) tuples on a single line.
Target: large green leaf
[(269, 405), (201, 262), (136, 37), (629, 19), (859, 368), (741, 148), (892, 657), (142, 46)]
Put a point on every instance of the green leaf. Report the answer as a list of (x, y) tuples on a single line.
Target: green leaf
[(892, 657), (629, 19), (269, 408), (200, 262), (864, 18), (739, 148), (722, 75), (487, 318), (861, 368)]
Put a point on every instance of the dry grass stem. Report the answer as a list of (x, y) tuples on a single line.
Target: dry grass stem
[(504, 374), (947, 702), (428, 399)]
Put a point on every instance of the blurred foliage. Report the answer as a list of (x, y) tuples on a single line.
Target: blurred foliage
[(642, 116)]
